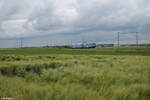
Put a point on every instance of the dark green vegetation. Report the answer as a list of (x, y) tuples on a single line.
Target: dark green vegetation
[(95, 74), (97, 51)]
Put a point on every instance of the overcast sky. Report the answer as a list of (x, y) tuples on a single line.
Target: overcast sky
[(60, 20)]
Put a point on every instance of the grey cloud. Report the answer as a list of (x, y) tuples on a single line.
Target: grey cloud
[(75, 17)]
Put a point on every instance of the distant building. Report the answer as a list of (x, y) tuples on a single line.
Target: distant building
[(105, 45), (133, 45)]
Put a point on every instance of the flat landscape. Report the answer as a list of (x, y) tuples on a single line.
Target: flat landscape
[(75, 74)]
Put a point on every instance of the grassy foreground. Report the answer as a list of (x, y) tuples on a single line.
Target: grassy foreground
[(47, 76)]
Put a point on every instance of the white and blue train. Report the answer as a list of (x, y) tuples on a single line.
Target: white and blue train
[(83, 45)]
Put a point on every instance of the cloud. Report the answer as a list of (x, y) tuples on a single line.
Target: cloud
[(73, 17)]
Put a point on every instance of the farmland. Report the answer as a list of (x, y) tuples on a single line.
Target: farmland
[(79, 74)]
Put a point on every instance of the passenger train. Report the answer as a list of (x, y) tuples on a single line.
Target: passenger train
[(83, 45)]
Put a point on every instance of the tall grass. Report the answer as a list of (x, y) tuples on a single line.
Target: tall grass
[(72, 77)]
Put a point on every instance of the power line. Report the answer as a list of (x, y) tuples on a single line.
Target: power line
[(118, 39), (21, 42), (137, 44)]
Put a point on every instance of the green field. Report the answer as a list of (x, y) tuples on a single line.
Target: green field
[(98, 51), (75, 74)]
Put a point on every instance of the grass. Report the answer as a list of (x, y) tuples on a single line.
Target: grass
[(71, 76), (97, 51)]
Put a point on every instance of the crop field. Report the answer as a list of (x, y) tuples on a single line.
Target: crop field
[(75, 74)]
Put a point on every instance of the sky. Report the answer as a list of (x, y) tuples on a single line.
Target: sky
[(41, 22)]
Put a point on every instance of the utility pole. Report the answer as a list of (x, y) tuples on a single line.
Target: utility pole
[(17, 44), (71, 43), (21, 42), (47, 45), (137, 39), (118, 39)]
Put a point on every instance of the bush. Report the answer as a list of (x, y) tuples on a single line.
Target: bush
[(21, 71)]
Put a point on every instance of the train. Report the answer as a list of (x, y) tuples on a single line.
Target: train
[(83, 45)]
